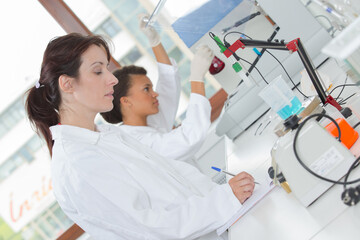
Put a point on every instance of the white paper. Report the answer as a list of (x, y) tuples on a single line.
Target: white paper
[(265, 186)]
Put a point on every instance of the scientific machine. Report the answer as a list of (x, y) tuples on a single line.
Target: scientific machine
[(244, 106), (313, 149)]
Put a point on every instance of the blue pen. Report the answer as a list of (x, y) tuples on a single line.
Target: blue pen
[(226, 172)]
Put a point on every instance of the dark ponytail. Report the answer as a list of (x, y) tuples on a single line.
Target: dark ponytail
[(121, 89), (62, 56)]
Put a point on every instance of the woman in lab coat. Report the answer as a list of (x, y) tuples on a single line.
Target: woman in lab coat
[(149, 116), (105, 180)]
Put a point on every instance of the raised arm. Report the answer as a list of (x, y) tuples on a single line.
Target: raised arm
[(199, 66), (154, 40), (168, 85)]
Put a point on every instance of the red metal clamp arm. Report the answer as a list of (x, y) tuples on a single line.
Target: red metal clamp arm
[(233, 48), (293, 45)]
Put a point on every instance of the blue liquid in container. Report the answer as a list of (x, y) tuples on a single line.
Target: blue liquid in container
[(287, 111)]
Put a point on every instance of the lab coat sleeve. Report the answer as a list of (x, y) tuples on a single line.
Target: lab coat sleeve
[(168, 87), (184, 141), (115, 201)]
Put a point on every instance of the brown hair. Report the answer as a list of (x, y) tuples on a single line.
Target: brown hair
[(62, 56), (121, 89)]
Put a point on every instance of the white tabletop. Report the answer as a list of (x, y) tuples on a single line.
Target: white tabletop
[(280, 215)]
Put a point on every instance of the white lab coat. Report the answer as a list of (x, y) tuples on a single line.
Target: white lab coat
[(168, 86), (183, 142), (116, 188), (180, 143)]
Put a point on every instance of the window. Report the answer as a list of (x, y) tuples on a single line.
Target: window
[(125, 10), (49, 225), (109, 27), (176, 54), (131, 57), (11, 116), (25, 154)]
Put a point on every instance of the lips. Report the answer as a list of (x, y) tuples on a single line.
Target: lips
[(109, 94), (156, 103)]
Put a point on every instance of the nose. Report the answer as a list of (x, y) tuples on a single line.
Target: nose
[(155, 94), (112, 79)]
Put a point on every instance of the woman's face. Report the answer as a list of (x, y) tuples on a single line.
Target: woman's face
[(94, 88), (142, 97)]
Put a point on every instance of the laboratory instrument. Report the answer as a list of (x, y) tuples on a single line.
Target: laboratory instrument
[(216, 66), (319, 151), (278, 95), (244, 106), (154, 14), (242, 21)]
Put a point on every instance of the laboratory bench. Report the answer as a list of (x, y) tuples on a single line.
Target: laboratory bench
[(279, 215)]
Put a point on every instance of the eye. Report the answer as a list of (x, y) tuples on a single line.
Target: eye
[(146, 89), (98, 73)]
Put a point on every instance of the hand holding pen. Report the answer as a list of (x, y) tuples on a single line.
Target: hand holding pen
[(228, 173), (242, 185)]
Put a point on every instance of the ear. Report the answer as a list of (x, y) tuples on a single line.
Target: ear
[(124, 101), (66, 83)]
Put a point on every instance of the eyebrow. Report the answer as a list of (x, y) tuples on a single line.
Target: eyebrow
[(148, 85), (101, 63)]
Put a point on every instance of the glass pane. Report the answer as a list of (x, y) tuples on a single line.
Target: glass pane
[(53, 223), (126, 10), (209, 89), (46, 228), (26, 154), (23, 183), (131, 57), (3, 128), (34, 144), (14, 114), (113, 3), (176, 54), (62, 217), (6, 169), (167, 41), (8, 120), (110, 27), (184, 69)]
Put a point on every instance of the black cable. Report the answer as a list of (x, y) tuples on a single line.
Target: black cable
[(344, 100), (282, 66), (344, 85), (352, 167), (224, 39), (356, 125), (287, 74), (212, 37), (255, 69), (303, 164), (323, 62), (341, 89), (237, 33), (241, 58)]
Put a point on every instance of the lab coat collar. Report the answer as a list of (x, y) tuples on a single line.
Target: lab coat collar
[(78, 134)]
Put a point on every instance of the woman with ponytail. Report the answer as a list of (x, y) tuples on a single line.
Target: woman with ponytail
[(106, 181), (60, 69)]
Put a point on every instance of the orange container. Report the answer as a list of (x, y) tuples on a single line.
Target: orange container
[(348, 134)]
